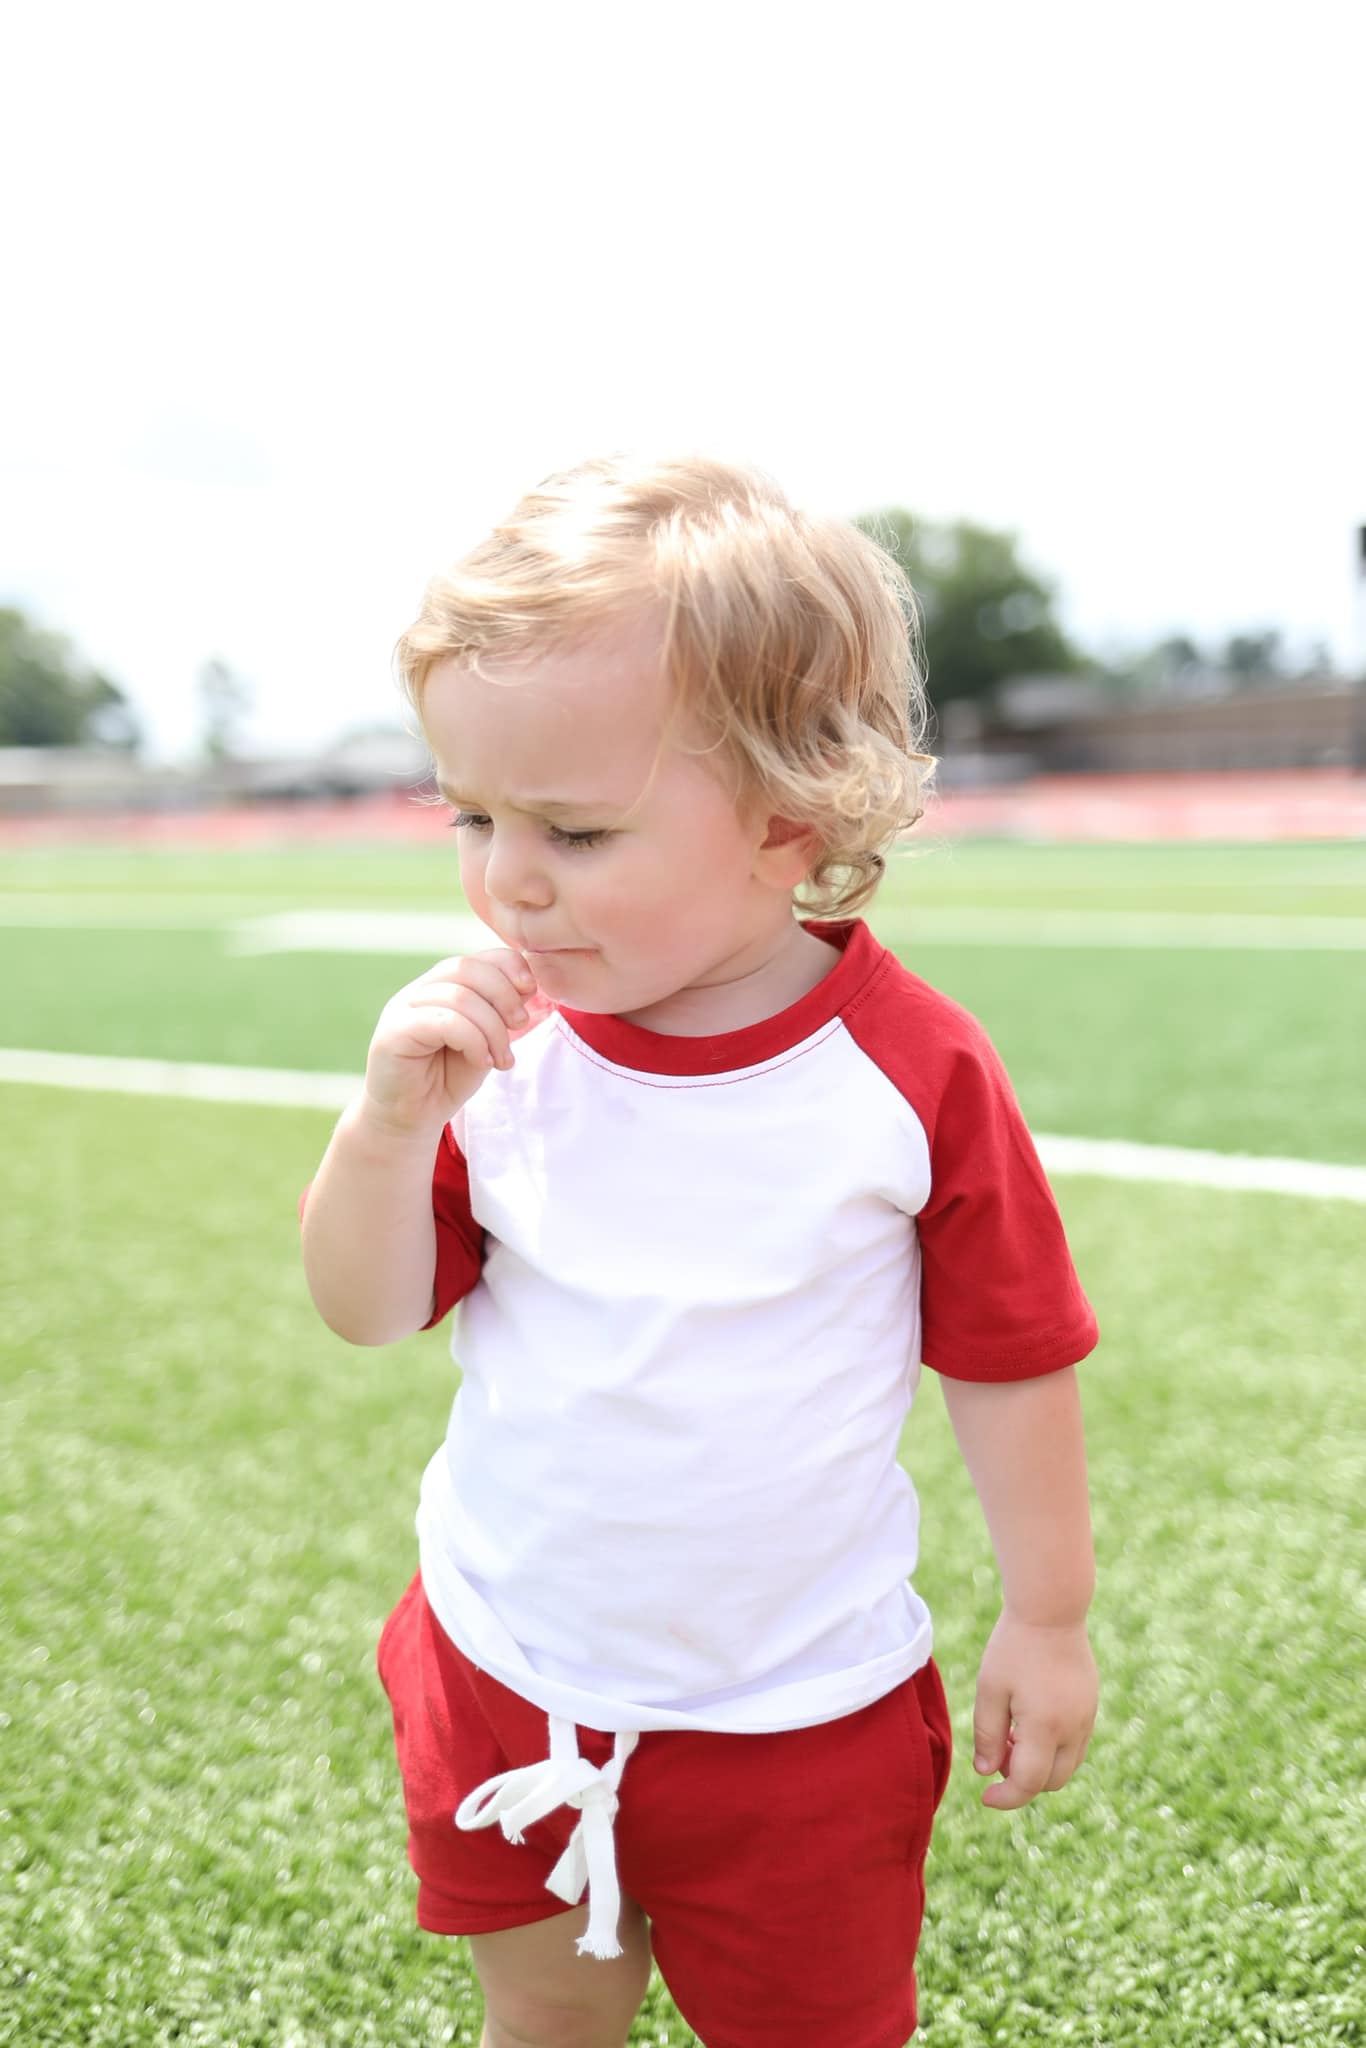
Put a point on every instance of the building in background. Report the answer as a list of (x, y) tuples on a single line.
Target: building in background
[(1063, 725), (1060, 740), (84, 780)]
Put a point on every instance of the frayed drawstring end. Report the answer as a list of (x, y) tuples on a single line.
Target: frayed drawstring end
[(594, 1945), (517, 1798)]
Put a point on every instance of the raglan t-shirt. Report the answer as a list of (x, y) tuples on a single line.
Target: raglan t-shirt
[(695, 1281)]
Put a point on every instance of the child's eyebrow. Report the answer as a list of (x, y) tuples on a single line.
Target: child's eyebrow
[(532, 806)]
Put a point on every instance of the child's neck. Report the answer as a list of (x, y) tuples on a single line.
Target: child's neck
[(755, 986)]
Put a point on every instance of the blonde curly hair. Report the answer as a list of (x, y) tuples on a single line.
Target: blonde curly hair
[(791, 642)]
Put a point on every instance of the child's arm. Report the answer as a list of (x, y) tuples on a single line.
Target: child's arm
[(369, 1239), (369, 1236), (1023, 1446)]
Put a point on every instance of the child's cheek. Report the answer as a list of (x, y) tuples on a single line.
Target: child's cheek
[(472, 877)]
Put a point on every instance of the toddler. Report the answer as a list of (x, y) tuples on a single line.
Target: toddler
[(708, 1175)]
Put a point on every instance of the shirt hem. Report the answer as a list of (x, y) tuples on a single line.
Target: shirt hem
[(798, 1703)]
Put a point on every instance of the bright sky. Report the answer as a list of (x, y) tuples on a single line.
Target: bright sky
[(303, 296)]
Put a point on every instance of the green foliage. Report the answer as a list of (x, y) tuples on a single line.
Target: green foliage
[(1254, 654), (1163, 665), (986, 616), (1246, 659), (48, 699)]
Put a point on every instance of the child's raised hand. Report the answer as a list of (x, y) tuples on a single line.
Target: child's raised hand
[(439, 1037)]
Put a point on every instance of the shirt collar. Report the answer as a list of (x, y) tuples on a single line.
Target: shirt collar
[(659, 1052)]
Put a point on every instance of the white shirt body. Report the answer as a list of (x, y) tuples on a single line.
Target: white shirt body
[(669, 1495)]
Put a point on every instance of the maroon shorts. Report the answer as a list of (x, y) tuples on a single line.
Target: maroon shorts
[(783, 1875)]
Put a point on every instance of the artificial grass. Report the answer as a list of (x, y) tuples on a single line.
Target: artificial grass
[(209, 1503)]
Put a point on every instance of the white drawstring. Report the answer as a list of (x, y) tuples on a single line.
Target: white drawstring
[(517, 1798)]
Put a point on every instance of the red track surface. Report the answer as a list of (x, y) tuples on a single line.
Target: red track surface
[(1327, 803)]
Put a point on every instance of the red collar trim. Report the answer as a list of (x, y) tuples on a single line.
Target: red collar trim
[(658, 1052)]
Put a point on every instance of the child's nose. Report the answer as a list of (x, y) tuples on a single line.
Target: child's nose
[(515, 876)]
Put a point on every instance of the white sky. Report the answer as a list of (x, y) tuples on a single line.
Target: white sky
[(302, 297)]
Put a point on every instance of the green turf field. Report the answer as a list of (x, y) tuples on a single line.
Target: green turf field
[(208, 1498)]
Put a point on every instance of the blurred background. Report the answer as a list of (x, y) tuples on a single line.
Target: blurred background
[(1065, 307), (300, 307)]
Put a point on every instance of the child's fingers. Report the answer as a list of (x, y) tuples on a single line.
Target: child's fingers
[(1028, 1768), (990, 1724), (493, 979), (463, 1020), (513, 965), (504, 1003), (1066, 1763), (490, 976)]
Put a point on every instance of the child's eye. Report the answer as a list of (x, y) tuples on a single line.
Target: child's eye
[(576, 838), (475, 821)]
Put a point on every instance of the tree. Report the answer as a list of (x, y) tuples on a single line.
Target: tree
[(986, 616), (225, 700), (1164, 666), (1177, 655), (1250, 655), (1318, 662), (1245, 658), (49, 699)]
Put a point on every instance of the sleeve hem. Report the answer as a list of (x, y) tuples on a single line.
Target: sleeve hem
[(1068, 1348)]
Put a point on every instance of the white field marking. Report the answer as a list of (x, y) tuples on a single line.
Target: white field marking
[(439, 933), (1152, 928), (282, 1088), (1118, 1159), (269, 1087), (121, 912), (433, 933)]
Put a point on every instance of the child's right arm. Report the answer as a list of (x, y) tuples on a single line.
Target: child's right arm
[(369, 1238)]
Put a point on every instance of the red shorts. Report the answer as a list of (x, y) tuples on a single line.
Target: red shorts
[(783, 1875)]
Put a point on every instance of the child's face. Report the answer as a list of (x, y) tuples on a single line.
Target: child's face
[(676, 895)]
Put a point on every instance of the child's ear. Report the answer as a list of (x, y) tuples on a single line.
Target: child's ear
[(787, 853)]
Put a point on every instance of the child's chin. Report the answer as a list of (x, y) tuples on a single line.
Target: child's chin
[(590, 1006), (564, 981)]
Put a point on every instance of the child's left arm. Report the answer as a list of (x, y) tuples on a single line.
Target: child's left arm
[(1022, 1443)]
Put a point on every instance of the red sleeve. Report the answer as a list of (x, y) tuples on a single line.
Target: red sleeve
[(459, 1239), (999, 1295)]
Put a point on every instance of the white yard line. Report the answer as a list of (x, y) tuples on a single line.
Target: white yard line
[(40, 910), (270, 1087), (1118, 1159), (433, 934), (436, 933), (282, 1088), (1157, 929)]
